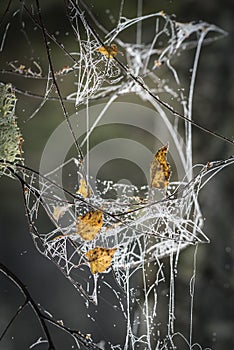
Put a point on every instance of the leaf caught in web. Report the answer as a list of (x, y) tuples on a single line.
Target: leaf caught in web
[(59, 211), (100, 258), (108, 51), (84, 189), (157, 64), (159, 169), (89, 225)]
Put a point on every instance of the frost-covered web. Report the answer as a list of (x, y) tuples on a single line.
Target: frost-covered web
[(148, 227), (142, 233)]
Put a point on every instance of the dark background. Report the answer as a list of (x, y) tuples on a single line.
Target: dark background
[(213, 107)]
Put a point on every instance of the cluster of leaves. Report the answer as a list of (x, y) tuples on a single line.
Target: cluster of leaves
[(89, 225)]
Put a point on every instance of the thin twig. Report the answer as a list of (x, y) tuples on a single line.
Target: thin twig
[(5, 12), (56, 84), (30, 300), (42, 318), (18, 311)]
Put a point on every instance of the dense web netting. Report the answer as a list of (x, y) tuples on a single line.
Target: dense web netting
[(145, 228)]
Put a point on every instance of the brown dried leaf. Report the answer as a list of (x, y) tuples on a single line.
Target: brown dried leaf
[(84, 189), (160, 170), (100, 258), (89, 225), (108, 51)]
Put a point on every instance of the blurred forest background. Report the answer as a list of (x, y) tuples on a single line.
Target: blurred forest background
[(213, 107)]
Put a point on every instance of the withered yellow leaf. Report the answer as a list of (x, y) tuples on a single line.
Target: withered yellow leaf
[(160, 170), (108, 51), (89, 225), (84, 189), (100, 258)]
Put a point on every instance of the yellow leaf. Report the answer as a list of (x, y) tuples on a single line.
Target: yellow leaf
[(89, 225), (84, 189), (160, 170), (108, 51), (100, 258)]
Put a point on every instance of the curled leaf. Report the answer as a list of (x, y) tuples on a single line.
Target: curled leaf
[(84, 189), (160, 170), (100, 258), (59, 211), (89, 225), (108, 51)]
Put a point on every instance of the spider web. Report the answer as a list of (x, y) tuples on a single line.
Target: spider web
[(148, 227)]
